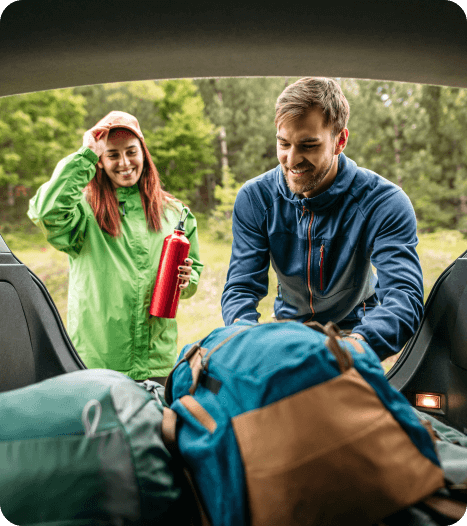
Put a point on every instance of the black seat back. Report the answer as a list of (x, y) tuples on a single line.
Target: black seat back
[(435, 359), (34, 344)]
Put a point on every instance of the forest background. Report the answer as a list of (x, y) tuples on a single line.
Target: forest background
[(208, 136)]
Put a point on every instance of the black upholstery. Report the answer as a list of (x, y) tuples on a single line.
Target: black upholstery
[(435, 360), (34, 344)]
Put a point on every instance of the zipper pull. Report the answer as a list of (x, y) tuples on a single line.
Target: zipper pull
[(123, 207), (321, 265), (303, 213)]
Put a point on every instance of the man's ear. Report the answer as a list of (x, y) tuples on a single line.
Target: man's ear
[(342, 139)]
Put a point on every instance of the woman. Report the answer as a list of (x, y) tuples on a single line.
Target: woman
[(105, 208)]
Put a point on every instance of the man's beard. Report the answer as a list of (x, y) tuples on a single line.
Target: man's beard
[(313, 179)]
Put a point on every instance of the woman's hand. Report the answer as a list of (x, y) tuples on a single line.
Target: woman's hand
[(96, 139), (185, 273)]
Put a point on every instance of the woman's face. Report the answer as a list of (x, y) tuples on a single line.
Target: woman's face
[(123, 159)]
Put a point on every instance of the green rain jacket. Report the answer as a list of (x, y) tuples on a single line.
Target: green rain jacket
[(111, 279)]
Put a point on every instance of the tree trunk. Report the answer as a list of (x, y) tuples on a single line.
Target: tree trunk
[(222, 136), (11, 195), (397, 154), (224, 152), (206, 193), (463, 205)]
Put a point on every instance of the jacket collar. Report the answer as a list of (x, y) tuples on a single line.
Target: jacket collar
[(346, 172), (124, 193)]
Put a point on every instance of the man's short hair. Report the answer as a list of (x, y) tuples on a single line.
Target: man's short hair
[(298, 98)]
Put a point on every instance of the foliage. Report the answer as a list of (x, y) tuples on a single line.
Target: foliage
[(183, 148), (137, 98), (246, 108), (36, 131), (410, 134), (220, 221), (207, 136)]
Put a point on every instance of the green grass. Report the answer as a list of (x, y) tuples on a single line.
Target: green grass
[(201, 314), (436, 251)]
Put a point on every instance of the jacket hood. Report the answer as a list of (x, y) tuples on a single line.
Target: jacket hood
[(346, 172)]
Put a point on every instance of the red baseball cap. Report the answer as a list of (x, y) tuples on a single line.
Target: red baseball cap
[(121, 119)]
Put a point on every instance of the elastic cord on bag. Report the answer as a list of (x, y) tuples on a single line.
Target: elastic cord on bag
[(91, 427)]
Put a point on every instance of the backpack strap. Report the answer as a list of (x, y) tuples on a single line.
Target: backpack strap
[(198, 365), (188, 355), (195, 361), (218, 346), (331, 330), (194, 356)]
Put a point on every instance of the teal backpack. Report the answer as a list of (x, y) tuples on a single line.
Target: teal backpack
[(86, 448), (283, 424)]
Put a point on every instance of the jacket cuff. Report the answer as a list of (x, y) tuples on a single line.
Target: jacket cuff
[(189, 291), (89, 154)]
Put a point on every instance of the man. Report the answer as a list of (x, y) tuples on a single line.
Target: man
[(322, 222)]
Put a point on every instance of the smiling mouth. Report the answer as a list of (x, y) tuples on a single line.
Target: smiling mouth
[(126, 173), (298, 172)]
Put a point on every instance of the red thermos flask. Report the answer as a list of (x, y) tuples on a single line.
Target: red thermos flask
[(166, 292)]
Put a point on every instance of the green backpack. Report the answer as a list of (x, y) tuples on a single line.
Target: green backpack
[(86, 448)]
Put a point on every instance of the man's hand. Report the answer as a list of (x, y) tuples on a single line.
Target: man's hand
[(96, 139), (185, 273)]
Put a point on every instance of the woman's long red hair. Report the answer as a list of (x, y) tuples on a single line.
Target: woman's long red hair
[(102, 197)]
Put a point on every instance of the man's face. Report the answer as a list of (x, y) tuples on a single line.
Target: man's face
[(308, 152), (123, 159)]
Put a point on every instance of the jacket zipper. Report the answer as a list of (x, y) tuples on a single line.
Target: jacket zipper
[(321, 266), (309, 263), (303, 213)]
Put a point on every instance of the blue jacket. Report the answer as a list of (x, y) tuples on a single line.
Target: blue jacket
[(323, 249)]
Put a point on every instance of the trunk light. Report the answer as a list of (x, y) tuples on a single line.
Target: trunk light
[(429, 401)]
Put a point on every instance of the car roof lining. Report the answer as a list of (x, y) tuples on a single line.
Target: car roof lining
[(53, 44)]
